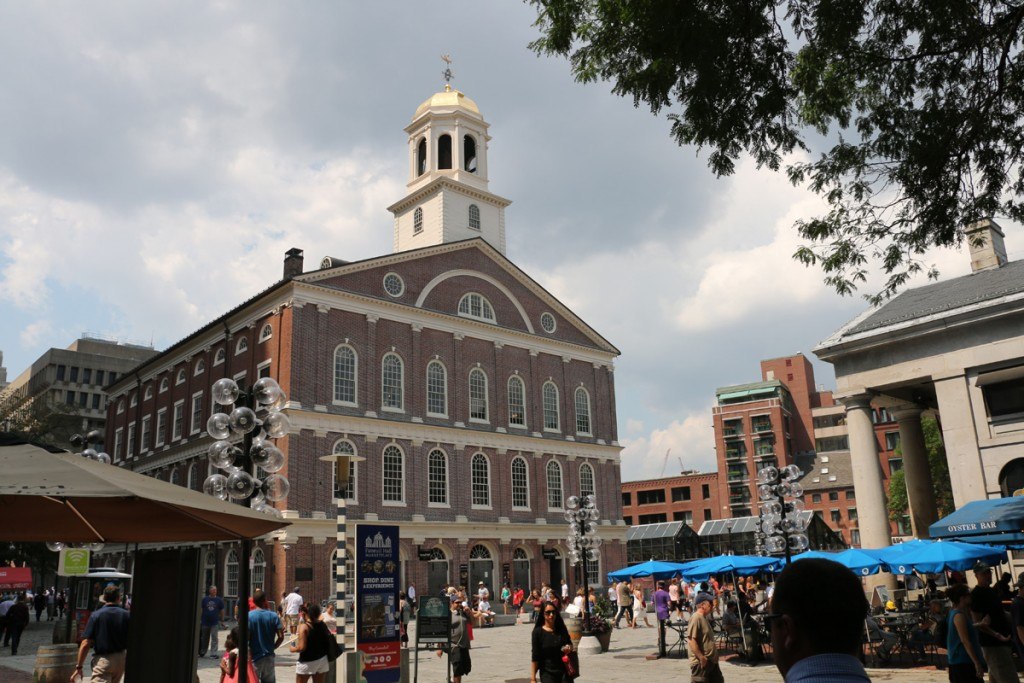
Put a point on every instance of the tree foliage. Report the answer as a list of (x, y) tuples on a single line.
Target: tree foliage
[(39, 420), (942, 488), (918, 103)]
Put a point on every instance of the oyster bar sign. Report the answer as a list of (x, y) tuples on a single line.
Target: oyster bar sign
[(973, 526)]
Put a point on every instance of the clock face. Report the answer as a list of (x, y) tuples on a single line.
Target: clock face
[(393, 284)]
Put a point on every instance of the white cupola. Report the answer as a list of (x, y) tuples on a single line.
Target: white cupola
[(447, 197)]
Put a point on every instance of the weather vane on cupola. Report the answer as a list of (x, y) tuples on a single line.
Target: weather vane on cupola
[(447, 73)]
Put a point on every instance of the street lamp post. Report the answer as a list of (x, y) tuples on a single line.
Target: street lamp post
[(782, 528), (340, 462), (584, 543), (255, 415)]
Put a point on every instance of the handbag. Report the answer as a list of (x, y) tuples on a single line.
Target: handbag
[(333, 649), (571, 662)]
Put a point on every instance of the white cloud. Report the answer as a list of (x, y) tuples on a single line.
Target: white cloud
[(691, 440), (33, 333)]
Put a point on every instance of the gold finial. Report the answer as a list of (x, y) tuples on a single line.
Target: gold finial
[(447, 73)]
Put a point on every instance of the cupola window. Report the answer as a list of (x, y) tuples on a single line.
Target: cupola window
[(417, 221), (474, 217), (469, 153), (421, 157), (444, 151)]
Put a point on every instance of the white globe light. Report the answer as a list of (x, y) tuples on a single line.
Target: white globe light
[(594, 514), (799, 542), (271, 510), (222, 454), (767, 475), (775, 544), (224, 391), (276, 487), (103, 458), (219, 426), (572, 502), (216, 485), (594, 554), (243, 420), (89, 453), (792, 472), (269, 457), (766, 491), (569, 515), (277, 425), (55, 546), (94, 547), (591, 499), (266, 391), (240, 484)]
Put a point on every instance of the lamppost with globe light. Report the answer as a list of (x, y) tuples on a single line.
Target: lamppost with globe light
[(255, 415), (583, 542), (782, 529)]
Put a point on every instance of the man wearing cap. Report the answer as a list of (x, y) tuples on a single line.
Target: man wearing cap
[(107, 633), (292, 603), (704, 666), (458, 654), (993, 627), (482, 592)]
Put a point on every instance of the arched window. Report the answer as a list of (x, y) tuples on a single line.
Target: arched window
[(231, 575), (469, 153), (516, 401), (551, 420), (349, 493), (345, 362), (393, 474), (391, 386), (242, 346), (193, 477), (554, 477), (219, 357), (175, 478), (520, 484), (444, 151), (421, 157), (437, 389), (582, 411), (259, 570), (180, 378), (476, 306), (200, 367), (587, 480), (437, 477), (474, 217), (266, 333), (417, 221), (133, 401), (148, 393), (479, 552), (120, 406), (481, 480), (165, 384), (1011, 477), (477, 395)]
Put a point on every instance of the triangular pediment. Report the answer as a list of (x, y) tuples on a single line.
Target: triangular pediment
[(433, 277)]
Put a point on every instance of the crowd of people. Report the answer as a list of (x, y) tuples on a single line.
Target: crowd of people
[(49, 602)]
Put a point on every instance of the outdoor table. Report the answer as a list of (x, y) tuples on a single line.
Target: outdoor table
[(678, 644)]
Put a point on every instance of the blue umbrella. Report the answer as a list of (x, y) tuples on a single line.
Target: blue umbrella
[(741, 565), (930, 557), (652, 568), (858, 561)]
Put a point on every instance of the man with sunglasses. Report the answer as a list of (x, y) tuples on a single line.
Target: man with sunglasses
[(704, 666), (458, 654), (814, 642)]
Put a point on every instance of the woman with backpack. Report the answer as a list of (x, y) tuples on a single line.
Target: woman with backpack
[(312, 644)]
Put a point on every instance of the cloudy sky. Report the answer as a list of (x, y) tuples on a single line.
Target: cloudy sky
[(159, 158)]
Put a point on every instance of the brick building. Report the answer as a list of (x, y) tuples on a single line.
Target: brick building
[(691, 497), (479, 401)]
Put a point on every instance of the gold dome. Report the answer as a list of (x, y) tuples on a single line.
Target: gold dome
[(447, 99)]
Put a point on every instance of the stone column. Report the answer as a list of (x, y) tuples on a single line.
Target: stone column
[(920, 493), (872, 511), (960, 437)]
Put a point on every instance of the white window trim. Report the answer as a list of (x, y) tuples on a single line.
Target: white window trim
[(490, 493), (147, 394), (354, 500), (264, 364), (195, 428), (178, 405), (264, 335), (118, 442), (393, 503), (200, 368), (558, 409), (239, 375), (239, 350), (384, 281), (165, 384), (561, 486), (355, 376), (219, 355), (392, 409), (512, 479), (481, 317), (487, 396), (131, 437), (145, 433), (447, 481), (590, 412), (179, 377), (159, 433), (593, 476), (445, 369)]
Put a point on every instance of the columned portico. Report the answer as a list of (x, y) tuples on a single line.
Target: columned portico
[(917, 472), (872, 511)]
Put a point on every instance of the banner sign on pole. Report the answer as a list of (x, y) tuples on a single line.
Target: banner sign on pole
[(73, 562), (434, 621), (377, 618)]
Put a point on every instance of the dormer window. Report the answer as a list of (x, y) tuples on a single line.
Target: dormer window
[(164, 384), (417, 221), (474, 305), (242, 346), (219, 357), (469, 153), (444, 152), (266, 333), (421, 157), (474, 217), (149, 393)]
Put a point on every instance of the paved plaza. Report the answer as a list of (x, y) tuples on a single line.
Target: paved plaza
[(502, 655)]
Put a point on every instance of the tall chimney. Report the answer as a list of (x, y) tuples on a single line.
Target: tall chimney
[(985, 241), (292, 263)]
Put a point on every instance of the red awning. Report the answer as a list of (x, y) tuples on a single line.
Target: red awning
[(15, 578)]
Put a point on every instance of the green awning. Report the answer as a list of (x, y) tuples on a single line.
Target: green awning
[(746, 392)]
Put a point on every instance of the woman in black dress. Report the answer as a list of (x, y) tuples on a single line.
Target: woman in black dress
[(550, 642)]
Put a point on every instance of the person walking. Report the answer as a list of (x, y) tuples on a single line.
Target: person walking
[(625, 601), (107, 634), (17, 619), (662, 609), (639, 606), (704, 667), (613, 596), (518, 598), (211, 617), (549, 642), (5, 631), (565, 592), (266, 633), (62, 601), (411, 593), (329, 618), (458, 652), (506, 597), (39, 602), (292, 603), (993, 627), (312, 645), (963, 647)]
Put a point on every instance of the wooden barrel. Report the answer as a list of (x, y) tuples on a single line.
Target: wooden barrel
[(55, 663), (575, 627)]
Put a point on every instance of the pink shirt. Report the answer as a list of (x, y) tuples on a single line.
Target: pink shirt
[(673, 592)]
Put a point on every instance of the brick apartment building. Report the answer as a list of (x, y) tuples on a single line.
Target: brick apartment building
[(479, 401), (691, 497)]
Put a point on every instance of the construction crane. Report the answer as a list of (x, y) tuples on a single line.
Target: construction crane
[(665, 464)]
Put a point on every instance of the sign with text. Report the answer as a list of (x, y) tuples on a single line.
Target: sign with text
[(377, 624), (73, 562), (434, 621)]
